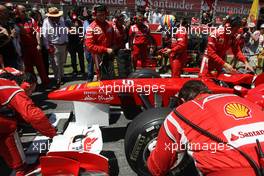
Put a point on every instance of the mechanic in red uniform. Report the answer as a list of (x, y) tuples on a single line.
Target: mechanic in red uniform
[(99, 38), (139, 35), (227, 116), (30, 44), (219, 41), (12, 96), (178, 51), (11, 70)]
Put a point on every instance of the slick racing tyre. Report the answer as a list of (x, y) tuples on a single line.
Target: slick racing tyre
[(124, 63), (107, 68), (141, 132), (130, 109)]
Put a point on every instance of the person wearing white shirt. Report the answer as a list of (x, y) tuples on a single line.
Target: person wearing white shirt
[(253, 48), (148, 15), (55, 36), (156, 17), (261, 48)]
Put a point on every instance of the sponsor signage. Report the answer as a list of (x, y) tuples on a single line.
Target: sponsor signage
[(195, 6), (245, 134), (237, 111), (117, 3), (223, 6)]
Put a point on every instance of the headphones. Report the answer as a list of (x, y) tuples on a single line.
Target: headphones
[(100, 7), (234, 21), (138, 19), (25, 85)]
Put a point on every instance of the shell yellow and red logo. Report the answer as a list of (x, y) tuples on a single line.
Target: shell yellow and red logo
[(237, 111), (72, 87), (94, 84)]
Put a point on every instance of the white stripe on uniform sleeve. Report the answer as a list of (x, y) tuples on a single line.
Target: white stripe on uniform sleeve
[(11, 96), (8, 87), (183, 139), (167, 130)]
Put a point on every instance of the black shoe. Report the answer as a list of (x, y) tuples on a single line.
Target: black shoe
[(90, 79), (63, 80), (74, 73), (84, 75), (58, 84)]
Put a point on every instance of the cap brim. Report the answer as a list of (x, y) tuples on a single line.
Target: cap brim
[(55, 15)]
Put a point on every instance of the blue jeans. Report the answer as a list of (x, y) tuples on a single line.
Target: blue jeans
[(90, 65)]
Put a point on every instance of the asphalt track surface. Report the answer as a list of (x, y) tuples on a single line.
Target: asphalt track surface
[(113, 136)]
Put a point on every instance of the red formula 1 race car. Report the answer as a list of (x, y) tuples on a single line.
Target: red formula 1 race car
[(147, 101)]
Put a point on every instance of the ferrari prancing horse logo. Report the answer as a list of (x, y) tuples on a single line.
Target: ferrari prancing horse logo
[(237, 111)]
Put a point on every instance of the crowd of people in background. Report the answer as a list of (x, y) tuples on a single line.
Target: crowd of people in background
[(31, 44)]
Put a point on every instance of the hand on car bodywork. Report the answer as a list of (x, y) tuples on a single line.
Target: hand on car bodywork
[(229, 68), (167, 51), (109, 50), (248, 67)]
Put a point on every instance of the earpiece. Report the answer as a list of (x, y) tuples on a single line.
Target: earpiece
[(25, 85), (106, 13), (100, 7)]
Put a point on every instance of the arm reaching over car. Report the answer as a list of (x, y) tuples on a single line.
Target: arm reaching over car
[(219, 42), (33, 115), (15, 98)]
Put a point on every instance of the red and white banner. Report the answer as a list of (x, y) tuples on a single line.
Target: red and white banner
[(195, 6), (210, 3), (224, 6), (116, 3)]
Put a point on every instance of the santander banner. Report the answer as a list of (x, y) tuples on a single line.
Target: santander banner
[(223, 6), (116, 3), (195, 6)]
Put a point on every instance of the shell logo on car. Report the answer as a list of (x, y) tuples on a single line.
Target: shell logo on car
[(93, 84), (72, 87), (237, 111)]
